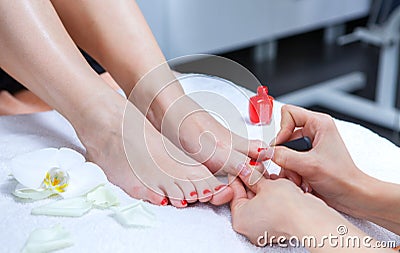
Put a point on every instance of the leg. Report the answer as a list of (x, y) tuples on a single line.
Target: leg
[(26, 102), (39, 53), (23, 102), (118, 37)]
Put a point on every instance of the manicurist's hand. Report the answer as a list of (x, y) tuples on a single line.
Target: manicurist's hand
[(329, 169), (277, 211), (328, 166), (271, 210)]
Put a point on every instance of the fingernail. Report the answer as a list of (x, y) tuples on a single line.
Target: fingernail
[(253, 162), (304, 187), (206, 191), (219, 187), (164, 202), (184, 202), (245, 171), (272, 142), (193, 193)]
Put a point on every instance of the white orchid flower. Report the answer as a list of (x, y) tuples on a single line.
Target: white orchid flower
[(52, 171)]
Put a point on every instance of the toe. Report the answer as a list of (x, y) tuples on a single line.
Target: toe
[(248, 147), (203, 190), (222, 195), (188, 189), (237, 160), (151, 194), (175, 195), (156, 198)]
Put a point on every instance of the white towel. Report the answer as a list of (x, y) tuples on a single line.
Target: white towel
[(198, 228)]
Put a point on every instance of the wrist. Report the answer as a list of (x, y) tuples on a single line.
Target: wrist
[(363, 190), (374, 200), (311, 213), (378, 202), (322, 227)]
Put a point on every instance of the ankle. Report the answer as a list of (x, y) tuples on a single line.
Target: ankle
[(155, 92), (100, 120)]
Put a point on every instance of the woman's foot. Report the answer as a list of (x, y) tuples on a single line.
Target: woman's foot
[(203, 138), (190, 127), (147, 171)]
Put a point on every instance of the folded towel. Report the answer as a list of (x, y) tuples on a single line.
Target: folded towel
[(198, 228)]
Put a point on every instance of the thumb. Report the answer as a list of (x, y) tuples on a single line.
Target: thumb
[(239, 193), (251, 177), (295, 161)]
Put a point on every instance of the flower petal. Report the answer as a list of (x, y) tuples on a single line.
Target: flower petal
[(83, 179), (27, 193), (102, 197), (48, 239), (75, 207), (30, 169), (68, 158), (135, 215)]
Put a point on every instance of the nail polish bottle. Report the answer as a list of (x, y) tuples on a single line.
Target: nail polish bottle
[(260, 107)]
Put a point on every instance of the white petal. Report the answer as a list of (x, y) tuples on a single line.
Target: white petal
[(30, 169), (26, 193), (75, 207), (68, 158), (48, 239), (83, 179), (135, 215), (102, 197)]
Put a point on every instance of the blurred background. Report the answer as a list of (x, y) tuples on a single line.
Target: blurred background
[(291, 45)]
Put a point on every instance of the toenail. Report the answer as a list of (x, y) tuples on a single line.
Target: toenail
[(206, 191), (253, 162), (193, 193), (261, 149), (164, 202), (183, 202), (219, 187), (266, 154)]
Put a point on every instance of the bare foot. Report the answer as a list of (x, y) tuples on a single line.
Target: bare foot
[(190, 127), (147, 171)]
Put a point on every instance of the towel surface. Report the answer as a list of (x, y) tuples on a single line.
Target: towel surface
[(198, 228)]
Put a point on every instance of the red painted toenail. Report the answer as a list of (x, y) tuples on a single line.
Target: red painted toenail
[(253, 162), (219, 187), (206, 191), (164, 202), (183, 202), (261, 149), (193, 194)]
